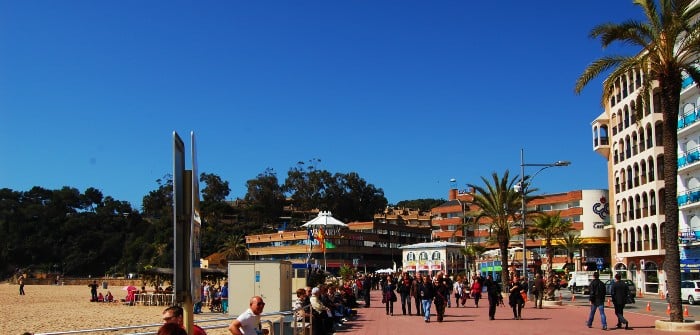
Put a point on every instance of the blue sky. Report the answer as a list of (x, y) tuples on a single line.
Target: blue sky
[(408, 94)]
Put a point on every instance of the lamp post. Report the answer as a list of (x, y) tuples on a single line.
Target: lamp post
[(522, 189)]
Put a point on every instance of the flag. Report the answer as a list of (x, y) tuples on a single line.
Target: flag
[(329, 245), (320, 236), (311, 234)]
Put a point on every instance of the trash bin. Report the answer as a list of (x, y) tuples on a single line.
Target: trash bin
[(104, 285)]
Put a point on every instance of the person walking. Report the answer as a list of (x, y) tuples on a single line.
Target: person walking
[(426, 293), (388, 295), (597, 299), (20, 281), (538, 290), (493, 291), (415, 293), (404, 289), (515, 299), (620, 292), (366, 288), (475, 290), (441, 296), (457, 289)]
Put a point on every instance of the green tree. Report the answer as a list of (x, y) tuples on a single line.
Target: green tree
[(235, 248), (669, 39), (215, 189), (572, 242), (549, 227), (265, 198), (497, 204)]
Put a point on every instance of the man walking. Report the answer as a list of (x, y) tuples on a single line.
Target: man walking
[(493, 291), (620, 292), (426, 292), (415, 293), (597, 299)]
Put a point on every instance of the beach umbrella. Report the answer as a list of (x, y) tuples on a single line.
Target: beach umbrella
[(129, 288)]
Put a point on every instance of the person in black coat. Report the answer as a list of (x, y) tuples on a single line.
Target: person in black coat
[(493, 292), (366, 288), (597, 299), (404, 289), (389, 296), (426, 292), (620, 292), (442, 293), (515, 299)]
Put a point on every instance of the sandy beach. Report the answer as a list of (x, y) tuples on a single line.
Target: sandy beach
[(50, 308)]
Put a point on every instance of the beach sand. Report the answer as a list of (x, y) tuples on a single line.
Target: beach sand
[(50, 308)]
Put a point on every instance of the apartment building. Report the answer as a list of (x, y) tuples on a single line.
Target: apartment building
[(631, 140)]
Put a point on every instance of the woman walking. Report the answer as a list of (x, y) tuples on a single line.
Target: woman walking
[(389, 296), (515, 299), (476, 290)]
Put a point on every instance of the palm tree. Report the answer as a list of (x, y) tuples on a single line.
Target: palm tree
[(472, 252), (235, 247), (572, 242), (549, 227), (497, 205), (669, 40)]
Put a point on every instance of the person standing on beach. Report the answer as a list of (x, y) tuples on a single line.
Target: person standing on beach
[(248, 323), (93, 290), (538, 290), (173, 314), (21, 285), (224, 298)]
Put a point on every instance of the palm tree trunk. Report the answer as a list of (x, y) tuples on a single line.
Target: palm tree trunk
[(670, 102)]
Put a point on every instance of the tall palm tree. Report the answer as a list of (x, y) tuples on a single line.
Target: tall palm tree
[(497, 204), (572, 242), (549, 227), (669, 40)]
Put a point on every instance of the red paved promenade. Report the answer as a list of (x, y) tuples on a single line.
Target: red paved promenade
[(568, 319)]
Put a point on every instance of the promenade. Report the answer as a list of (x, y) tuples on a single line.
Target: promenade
[(567, 319)]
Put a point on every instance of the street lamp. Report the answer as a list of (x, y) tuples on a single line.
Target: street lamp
[(522, 189)]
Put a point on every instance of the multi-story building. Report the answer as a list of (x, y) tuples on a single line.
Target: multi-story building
[(631, 141), (367, 245), (586, 209)]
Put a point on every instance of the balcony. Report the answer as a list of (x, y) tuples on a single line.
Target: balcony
[(688, 161), (688, 197)]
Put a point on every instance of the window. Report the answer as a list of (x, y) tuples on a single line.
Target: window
[(436, 255)]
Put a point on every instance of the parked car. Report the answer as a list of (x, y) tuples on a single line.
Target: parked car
[(630, 284), (690, 291)]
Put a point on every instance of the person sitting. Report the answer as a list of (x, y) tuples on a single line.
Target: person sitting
[(100, 297), (109, 297)]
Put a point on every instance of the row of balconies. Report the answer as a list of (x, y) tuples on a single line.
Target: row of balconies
[(638, 213)]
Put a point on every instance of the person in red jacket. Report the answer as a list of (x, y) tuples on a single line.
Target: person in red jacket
[(173, 314)]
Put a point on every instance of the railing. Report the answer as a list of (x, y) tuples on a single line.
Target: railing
[(297, 327), (689, 197), (687, 119), (689, 157)]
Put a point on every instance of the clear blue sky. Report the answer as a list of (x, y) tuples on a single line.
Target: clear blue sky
[(408, 94)]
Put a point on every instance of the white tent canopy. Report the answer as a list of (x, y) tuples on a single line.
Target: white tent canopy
[(387, 270), (326, 221)]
